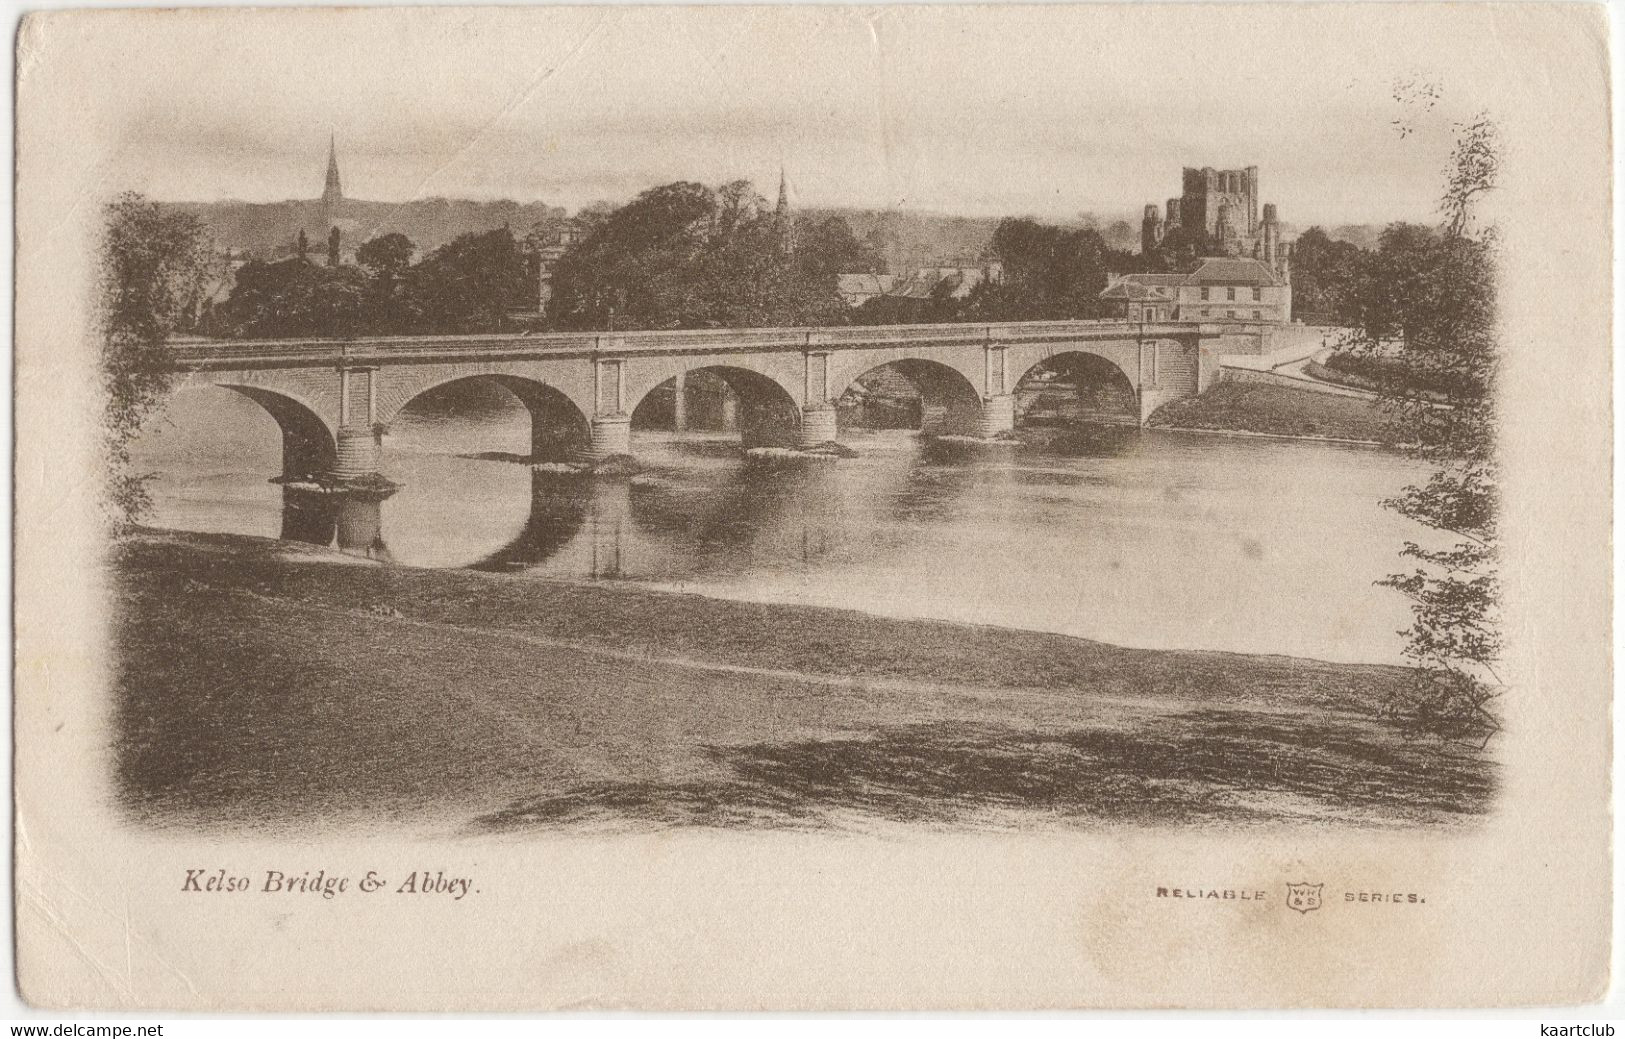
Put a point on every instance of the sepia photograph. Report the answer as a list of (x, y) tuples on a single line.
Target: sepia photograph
[(483, 472)]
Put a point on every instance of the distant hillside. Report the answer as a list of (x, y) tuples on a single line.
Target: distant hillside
[(909, 238), (268, 230), (906, 239), (1362, 235)]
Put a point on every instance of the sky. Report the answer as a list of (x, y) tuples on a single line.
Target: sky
[(980, 111)]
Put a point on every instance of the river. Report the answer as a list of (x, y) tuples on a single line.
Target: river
[(1155, 540)]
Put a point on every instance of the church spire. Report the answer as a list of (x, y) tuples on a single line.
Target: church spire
[(332, 192), (781, 215)]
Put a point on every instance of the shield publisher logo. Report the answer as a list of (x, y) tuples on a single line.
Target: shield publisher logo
[(1305, 898)]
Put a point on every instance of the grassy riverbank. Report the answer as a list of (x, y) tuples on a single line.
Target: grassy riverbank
[(266, 685), (1257, 408)]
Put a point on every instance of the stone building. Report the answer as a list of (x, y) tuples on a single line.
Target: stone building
[(1143, 297), (956, 279), (858, 289), (547, 257), (1219, 213), (1221, 289)]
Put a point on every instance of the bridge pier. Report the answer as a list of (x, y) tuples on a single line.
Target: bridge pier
[(358, 454), (817, 425), (611, 436), (998, 415), (358, 449), (611, 425), (961, 417), (1150, 399)]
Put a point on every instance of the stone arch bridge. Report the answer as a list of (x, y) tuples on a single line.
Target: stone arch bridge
[(333, 399)]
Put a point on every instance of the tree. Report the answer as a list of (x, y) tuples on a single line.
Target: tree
[(637, 263), (333, 239), (154, 265), (1427, 309), (387, 256), (1180, 251), (826, 249), (294, 297), (469, 284), (1049, 273), (684, 255), (388, 261), (1325, 275), (885, 241)]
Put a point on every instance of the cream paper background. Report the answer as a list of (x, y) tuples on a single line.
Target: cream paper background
[(1518, 908)]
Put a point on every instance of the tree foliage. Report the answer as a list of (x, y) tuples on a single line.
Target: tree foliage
[(154, 267), (294, 297), (1426, 307), (680, 255), (1325, 276), (685, 255), (1049, 273), (469, 284), (389, 306), (1180, 251), (827, 248), (387, 256)]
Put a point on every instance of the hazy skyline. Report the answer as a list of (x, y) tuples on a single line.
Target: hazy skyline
[(972, 111)]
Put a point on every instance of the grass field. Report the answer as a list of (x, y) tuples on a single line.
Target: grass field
[(1259, 408), (265, 686)]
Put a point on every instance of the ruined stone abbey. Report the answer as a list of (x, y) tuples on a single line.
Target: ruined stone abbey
[(1218, 215), (1222, 259)]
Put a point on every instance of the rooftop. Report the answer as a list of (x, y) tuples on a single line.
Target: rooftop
[(1213, 271), (1233, 271), (1131, 287)]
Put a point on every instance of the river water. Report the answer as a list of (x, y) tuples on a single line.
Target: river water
[(1145, 539)]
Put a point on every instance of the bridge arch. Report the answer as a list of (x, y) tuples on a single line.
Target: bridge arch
[(949, 401), (558, 429), (307, 441), (761, 409), (1076, 384)]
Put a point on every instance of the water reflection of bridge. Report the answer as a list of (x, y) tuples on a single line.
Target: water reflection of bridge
[(676, 522), (588, 528), (332, 400)]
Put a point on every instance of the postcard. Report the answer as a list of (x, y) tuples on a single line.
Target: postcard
[(813, 508)]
